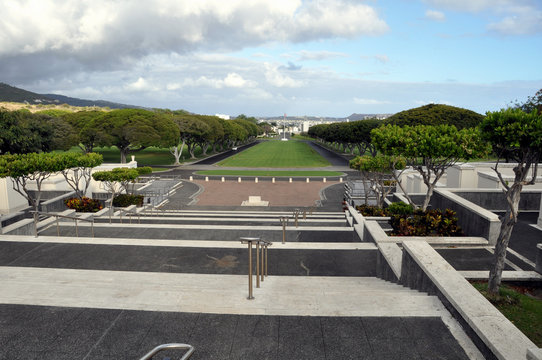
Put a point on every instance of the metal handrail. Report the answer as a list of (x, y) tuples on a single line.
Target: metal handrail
[(75, 218), (163, 347), (123, 210), (263, 263)]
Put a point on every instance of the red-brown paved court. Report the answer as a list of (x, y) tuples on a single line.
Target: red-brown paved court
[(281, 193)]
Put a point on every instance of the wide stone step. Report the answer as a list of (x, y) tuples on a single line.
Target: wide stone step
[(278, 295), (193, 220), (208, 232)]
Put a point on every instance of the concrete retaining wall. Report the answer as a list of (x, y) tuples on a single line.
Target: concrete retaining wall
[(496, 201), (494, 335), (475, 220), (56, 204)]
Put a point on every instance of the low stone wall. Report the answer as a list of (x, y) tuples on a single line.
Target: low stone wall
[(494, 335), (475, 220), (496, 201), (56, 204)]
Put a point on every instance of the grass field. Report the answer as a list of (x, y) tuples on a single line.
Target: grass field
[(525, 312), (277, 154), (268, 173), (151, 156)]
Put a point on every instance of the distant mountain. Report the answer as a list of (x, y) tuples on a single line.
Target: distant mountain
[(14, 94), (61, 99)]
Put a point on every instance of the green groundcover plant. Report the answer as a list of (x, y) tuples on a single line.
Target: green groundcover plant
[(123, 200)]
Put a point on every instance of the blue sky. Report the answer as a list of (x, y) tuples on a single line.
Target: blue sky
[(265, 58)]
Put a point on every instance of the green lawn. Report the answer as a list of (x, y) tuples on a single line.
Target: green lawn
[(268, 173), (149, 156), (277, 154), (523, 311)]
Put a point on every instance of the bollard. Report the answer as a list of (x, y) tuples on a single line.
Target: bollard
[(290, 180), (273, 180), (206, 178), (191, 178), (308, 180), (238, 179), (256, 180), (341, 180), (222, 178), (325, 180)]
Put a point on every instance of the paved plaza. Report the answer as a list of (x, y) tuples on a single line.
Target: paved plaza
[(179, 274)]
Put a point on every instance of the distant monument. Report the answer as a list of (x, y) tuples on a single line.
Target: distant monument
[(284, 129)]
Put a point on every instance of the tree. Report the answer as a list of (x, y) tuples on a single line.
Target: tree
[(376, 171), (436, 114), (86, 127), (25, 169), (22, 132), (192, 129), (532, 103), (213, 135), (77, 170), (518, 135), (430, 149), (115, 181), (132, 130)]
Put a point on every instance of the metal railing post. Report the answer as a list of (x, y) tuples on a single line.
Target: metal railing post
[(284, 222), (266, 259), (57, 226), (257, 264)]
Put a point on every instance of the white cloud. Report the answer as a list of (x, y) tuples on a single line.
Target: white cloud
[(140, 84), (435, 15), (91, 30), (521, 21), (318, 55), (276, 78), (514, 17), (381, 58), (361, 101)]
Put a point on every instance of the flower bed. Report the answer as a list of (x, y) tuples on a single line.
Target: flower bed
[(84, 205)]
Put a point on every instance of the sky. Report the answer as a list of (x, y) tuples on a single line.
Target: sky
[(271, 57)]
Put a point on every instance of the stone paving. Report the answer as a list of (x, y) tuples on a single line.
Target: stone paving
[(232, 193)]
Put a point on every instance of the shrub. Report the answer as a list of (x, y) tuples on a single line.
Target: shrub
[(371, 210), (123, 200), (400, 208), (83, 205), (426, 223)]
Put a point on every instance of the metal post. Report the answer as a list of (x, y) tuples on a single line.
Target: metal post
[(266, 260), (264, 246), (250, 297), (305, 214), (257, 264), (57, 226), (249, 241), (283, 221)]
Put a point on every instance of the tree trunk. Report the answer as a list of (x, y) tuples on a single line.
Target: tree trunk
[(507, 225), (123, 153)]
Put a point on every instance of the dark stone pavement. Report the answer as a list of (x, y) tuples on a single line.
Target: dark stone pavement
[(220, 234), (53, 333), (292, 262)]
